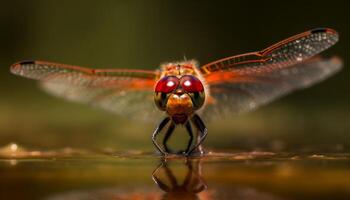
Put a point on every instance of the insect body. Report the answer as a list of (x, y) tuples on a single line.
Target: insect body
[(180, 93), (185, 91)]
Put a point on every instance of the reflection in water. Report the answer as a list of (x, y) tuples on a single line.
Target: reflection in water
[(186, 186), (78, 174), (192, 184), (174, 178)]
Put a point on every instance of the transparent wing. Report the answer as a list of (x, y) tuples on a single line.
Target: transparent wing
[(122, 91), (61, 73), (234, 93), (280, 55), (242, 83)]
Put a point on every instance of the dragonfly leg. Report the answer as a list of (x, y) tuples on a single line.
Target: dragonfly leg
[(202, 132), (200, 149), (157, 131), (167, 136), (190, 133)]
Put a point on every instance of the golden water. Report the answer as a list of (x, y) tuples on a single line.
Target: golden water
[(81, 174)]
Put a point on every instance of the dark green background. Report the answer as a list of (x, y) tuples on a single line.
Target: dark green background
[(143, 34)]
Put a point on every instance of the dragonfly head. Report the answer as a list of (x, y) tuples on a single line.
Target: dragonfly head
[(179, 96)]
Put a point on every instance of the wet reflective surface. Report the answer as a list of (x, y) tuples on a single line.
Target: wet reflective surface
[(79, 174)]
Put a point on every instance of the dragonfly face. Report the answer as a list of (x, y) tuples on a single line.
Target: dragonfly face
[(179, 96), (224, 87)]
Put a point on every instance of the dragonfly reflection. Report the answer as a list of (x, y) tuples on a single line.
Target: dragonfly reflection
[(174, 188)]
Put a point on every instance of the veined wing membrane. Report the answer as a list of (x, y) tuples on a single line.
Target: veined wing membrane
[(280, 55), (233, 93), (242, 83), (126, 92), (68, 74)]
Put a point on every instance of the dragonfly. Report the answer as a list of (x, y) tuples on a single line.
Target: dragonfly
[(185, 93)]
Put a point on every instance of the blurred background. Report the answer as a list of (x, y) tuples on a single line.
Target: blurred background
[(143, 34)]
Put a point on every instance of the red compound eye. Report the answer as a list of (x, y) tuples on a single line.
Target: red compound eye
[(167, 84), (191, 84)]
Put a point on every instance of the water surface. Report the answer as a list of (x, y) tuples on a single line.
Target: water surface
[(80, 174)]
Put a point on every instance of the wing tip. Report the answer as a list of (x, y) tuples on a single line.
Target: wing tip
[(337, 60), (324, 30), (16, 68)]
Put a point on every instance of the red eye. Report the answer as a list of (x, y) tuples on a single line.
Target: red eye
[(167, 84), (191, 84)]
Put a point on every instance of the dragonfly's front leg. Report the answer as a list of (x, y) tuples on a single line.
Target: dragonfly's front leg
[(167, 136), (202, 134), (157, 131), (190, 133), (200, 149)]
